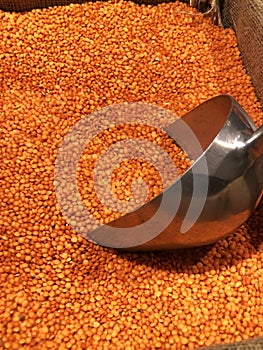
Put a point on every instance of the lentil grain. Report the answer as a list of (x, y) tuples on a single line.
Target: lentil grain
[(58, 290)]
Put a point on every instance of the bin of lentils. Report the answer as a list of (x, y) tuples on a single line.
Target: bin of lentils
[(59, 291)]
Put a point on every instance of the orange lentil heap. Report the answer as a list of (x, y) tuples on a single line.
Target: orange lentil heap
[(58, 290)]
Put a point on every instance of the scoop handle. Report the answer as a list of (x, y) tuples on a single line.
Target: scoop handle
[(255, 142)]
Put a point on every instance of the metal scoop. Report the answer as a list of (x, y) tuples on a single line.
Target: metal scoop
[(217, 193)]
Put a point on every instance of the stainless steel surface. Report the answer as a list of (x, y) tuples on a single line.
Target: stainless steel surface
[(225, 184)]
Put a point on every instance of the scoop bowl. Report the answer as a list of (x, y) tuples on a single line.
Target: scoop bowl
[(217, 193)]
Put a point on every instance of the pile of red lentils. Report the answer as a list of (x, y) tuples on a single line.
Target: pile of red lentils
[(59, 291)]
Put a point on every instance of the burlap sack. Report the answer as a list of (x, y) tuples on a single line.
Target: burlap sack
[(254, 344), (246, 17), (27, 5)]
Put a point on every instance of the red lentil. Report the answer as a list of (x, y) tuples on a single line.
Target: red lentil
[(58, 290)]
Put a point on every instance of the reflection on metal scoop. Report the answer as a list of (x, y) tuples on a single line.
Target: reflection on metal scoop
[(217, 194)]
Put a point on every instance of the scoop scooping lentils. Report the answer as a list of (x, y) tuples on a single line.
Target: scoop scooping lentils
[(59, 291)]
